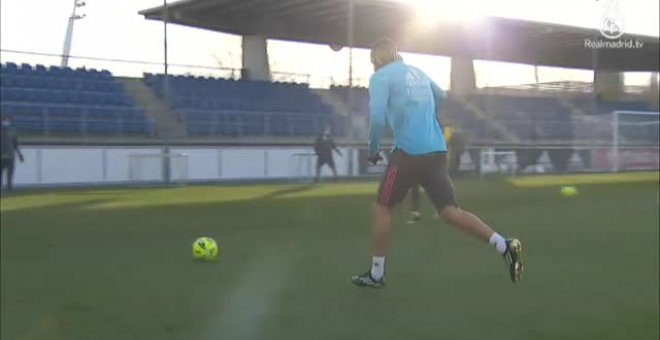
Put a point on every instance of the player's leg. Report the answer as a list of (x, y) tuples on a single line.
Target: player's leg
[(393, 187), (441, 192), (331, 164), (319, 164), (10, 175), (2, 172), (415, 215)]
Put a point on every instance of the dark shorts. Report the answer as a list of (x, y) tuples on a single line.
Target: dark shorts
[(6, 163), (321, 160), (405, 171)]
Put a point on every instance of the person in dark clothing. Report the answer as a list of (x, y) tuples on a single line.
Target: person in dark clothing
[(323, 148), (456, 149), (9, 149)]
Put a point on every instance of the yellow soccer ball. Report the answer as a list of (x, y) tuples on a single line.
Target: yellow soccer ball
[(569, 191), (205, 249)]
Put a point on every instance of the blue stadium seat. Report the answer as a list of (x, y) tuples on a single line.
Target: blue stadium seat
[(103, 126), (11, 68), (247, 97), (26, 68), (67, 95), (40, 69), (64, 124), (280, 125), (29, 124), (28, 95), (21, 82), (253, 125)]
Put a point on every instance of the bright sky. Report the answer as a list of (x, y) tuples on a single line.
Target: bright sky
[(113, 29)]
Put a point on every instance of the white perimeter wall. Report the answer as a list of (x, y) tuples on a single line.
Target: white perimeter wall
[(52, 165)]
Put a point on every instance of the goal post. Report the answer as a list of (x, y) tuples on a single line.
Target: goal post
[(502, 162), (158, 168), (302, 166), (635, 144)]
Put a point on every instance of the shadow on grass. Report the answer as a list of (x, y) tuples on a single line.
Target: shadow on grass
[(287, 191), (472, 194), (88, 204)]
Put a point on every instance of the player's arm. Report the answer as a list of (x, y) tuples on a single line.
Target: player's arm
[(334, 147), (378, 101), (17, 149)]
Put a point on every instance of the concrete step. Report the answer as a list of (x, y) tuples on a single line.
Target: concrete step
[(337, 105), (509, 136), (166, 121), (572, 108), (358, 127)]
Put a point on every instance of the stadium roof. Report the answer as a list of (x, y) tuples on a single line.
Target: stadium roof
[(498, 39)]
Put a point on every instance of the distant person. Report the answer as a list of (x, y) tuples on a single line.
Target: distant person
[(323, 148), (9, 150), (456, 148), (406, 98)]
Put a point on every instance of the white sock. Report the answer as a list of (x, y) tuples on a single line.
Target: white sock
[(377, 267), (498, 242)]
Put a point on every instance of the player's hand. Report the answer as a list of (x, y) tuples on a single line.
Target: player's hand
[(375, 158)]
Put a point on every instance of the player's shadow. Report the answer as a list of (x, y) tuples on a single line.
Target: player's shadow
[(287, 191)]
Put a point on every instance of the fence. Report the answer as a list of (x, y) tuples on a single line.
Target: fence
[(48, 165)]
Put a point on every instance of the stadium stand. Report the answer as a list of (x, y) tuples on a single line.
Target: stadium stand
[(228, 108), (512, 111), (595, 105), (64, 101), (528, 117), (358, 104)]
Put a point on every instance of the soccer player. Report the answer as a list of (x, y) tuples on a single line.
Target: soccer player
[(323, 148), (406, 98), (8, 151)]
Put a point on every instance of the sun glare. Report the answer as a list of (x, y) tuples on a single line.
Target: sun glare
[(433, 12)]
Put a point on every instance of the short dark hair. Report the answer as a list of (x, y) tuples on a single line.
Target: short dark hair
[(383, 52)]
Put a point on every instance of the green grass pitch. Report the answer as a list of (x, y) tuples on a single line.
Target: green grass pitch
[(117, 264)]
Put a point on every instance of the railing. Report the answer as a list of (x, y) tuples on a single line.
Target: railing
[(41, 121), (126, 67), (231, 123), (574, 129), (135, 68), (289, 77)]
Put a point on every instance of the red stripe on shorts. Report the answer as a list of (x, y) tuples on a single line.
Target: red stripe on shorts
[(386, 195)]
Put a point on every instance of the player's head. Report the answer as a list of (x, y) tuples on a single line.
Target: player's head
[(383, 52), (6, 120)]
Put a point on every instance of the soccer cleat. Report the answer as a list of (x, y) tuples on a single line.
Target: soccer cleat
[(365, 280), (513, 257), (415, 216)]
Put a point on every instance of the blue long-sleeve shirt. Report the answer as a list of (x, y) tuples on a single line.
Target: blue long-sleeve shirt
[(408, 100)]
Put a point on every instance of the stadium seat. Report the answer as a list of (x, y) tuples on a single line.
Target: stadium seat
[(66, 93), (11, 67), (247, 97)]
